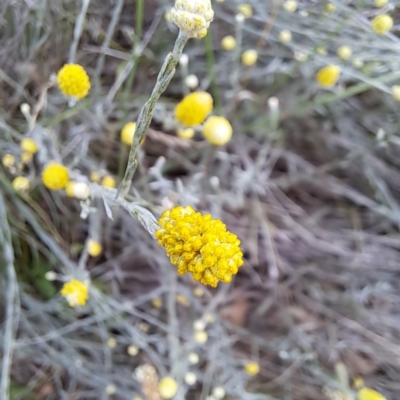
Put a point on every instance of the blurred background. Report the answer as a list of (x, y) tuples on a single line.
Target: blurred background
[(309, 182)]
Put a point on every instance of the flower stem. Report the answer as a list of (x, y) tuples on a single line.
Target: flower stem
[(146, 114)]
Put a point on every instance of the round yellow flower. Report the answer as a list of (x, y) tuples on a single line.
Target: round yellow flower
[(369, 394), (344, 52), (200, 245), (252, 368), (245, 9), (330, 8), (249, 57), (192, 16), (157, 302), (132, 350), (8, 160), (73, 81), (167, 388), (128, 132), (328, 76), (382, 24), (21, 184), (200, 337), (228, 43), (290, 6), (194, 108), (28, 145), (75, 292), (185, 133), (94, 248), (108, 181), (380, 3), (55, 176), (112, 343), (26, 157), (217, 130), (285, 36)]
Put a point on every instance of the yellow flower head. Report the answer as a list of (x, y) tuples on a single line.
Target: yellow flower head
[(380, 3), (228, 43), (73, 81), (8, 160), (290, 6), (127, 133), (94, 248), (328, 76), (217, 130), (108, 181), (285, 36), (75, 292), (382, 24), (185, 133), (55, 176), (369, 394), (192, 16), (21, 184), (252, 368), (167, 387), (194, 108), (245, 9), (330, 8), (344, 52), (200, 245), (28, 145), (249, 57), (26, 157)]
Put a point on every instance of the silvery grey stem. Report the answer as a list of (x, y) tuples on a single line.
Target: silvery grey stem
[(146, 114)]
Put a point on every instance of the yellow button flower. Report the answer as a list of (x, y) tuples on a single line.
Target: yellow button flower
[(128, 132), (167, 388), (217, 130), (330, 8), (245, 9), (228, 43), (75, 292), (252, 368), (200, 245), (194, 108), (382, 24), (108, 181), (21, 184), (380, 3), (55, 176), (8, 160), (94, 248), (344, 52), (328, 76), (285, 36), (369, 394), (192, 16), (249, 57), (185, 133), (290, 6), (73, 81), (28, 145), (26, 157)]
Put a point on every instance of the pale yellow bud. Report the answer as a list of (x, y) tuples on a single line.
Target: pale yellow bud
[(132, 350), (249, 57), (185, 133), (201, 337), (290, 6), (219, 392), (8, 160), (344, 52), (285, 36), (228, 43), (217, 130), (380, 3), (193, 358), (94, 248), (252, 368), (21, 184), (396, 92), (167, 388), (111, 343), (192, 81), (190, 378)]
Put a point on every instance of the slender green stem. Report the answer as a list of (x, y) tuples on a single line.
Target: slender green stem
[(146, 114)]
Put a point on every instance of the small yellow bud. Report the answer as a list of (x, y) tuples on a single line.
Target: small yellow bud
[(382, 24), (75, 292), (228, 43), (193, 358), (217, 130), (357, 63), (328, 76), (245, 9), (167, 388), (73, 81), (330, 8), (249, 57), (111, 343), (94, 248), (132, 350), (194, 108), (252, 368), (344, 52), (201, 337), (111, 389), (21, 184), (128, 132), (358, 382), (55, 176), (28, 145), (8, 160), (396, 92), (380, 3), (190, 378), (290, 6), (26, 157), (369, 394), (108, 181), (219, 392), (185, 133), (285, 36), (198, 292), (95, 177), (181, 299), (144, 326), (157, 303)]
